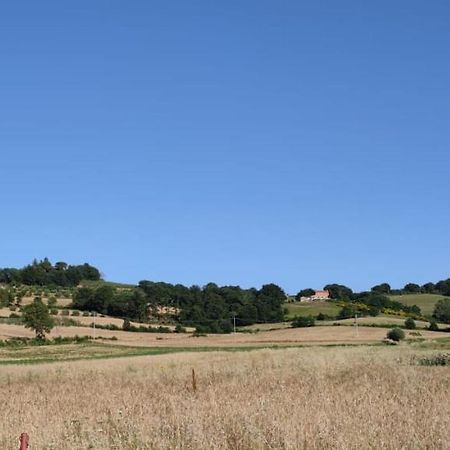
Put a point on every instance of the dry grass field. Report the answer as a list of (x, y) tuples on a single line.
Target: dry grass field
[(288, 336), (308, 398)]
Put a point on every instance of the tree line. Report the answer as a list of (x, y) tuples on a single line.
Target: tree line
[(210, 308), (342, 292), (44, 273)]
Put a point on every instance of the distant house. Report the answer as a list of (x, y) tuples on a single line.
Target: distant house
[(318, 295)]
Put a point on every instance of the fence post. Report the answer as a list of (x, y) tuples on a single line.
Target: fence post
[(24, 441)]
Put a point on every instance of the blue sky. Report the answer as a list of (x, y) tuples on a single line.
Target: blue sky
[(241, 142)]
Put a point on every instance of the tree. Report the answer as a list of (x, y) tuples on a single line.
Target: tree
[(126, 326), (428, 288), (396, 334), (36, 316), (442, 310), (383, 288), (339, 292), (412, 288), (410, 324), (346, 312), (305, 293), (433, 325)]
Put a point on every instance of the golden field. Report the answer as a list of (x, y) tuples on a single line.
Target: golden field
[(306, 398), (287, 336)]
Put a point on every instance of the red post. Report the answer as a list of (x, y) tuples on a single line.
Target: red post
[(24, 440)]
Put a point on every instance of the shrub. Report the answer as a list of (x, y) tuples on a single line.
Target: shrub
[(51, 302), (199, 332), (54, 312), (396, 334), (436, 360), (75, 313), (410, 324), (321, 316), (180, 329), (65, 312), (433, 325), (303, 321)]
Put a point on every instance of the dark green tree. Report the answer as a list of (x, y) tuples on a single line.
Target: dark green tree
[(410, 324), (411, 288), (442, 310), (396, 334), (433, 325), (305, 293), (339, 291), (383, 288)]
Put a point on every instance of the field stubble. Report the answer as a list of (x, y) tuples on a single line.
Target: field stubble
[(311, 398)]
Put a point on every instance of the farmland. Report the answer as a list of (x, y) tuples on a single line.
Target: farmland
[(294, 398), (268, 387)]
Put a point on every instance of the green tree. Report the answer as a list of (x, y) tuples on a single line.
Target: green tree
[(410, 324), (305, 293), (396, 334), (433, 325), (411, 288), (442, 310), (36, 316), (346, 312), (339, 291), (383, 288)]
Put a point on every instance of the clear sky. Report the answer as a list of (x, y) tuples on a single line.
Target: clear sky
[(241, 142)]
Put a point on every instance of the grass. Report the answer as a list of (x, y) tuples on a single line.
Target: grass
[(311, 309), (425, 302), (307, 398)]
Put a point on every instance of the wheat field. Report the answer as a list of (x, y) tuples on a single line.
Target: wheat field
[(308, 398)]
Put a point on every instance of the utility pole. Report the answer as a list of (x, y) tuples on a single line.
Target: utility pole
[(234, 324), (94, 325), (356, 324)]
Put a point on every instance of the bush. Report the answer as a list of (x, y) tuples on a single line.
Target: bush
[(54, 312), (410, 324), (303, 321), (433, 325), (321, 316), (199, 332), (436, 360), (396, 334), (75, 313), (65, 312), (180, 329)]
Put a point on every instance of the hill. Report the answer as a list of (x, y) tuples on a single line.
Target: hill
[(426, 302)]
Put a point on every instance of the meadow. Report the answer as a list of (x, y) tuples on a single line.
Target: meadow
[(297, 398), (426, 302), (311, 309)]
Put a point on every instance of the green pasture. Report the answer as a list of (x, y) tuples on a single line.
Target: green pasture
[(311, 309), (425, 302)]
